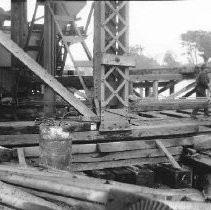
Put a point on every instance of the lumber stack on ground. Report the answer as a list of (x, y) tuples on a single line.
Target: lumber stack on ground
[(74, 190), (119, 153)]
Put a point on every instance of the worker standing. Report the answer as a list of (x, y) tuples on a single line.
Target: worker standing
[(202, 84)]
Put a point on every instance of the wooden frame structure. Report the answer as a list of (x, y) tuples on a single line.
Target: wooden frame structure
[(122, 127)]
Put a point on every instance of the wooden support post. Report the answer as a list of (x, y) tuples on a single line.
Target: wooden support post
[(130, 88), (147, 89), (155, 89), (168, 154), (171, 89), (49, 61), (19, 27)]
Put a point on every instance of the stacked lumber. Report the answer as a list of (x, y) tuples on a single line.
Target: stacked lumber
[(33, 188), (90, 156)]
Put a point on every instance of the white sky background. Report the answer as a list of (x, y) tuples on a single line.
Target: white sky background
[(156, 25)]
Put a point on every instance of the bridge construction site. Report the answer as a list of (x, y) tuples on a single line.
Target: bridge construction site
[(98, 136)]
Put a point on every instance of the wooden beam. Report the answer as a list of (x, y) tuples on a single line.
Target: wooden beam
[(167, 104), (119, 163), (43, 75), (142, 144), (49, 61), (168, 154), (168, 86), (159, 77), (73, 81), (138, 132), (143, 153)]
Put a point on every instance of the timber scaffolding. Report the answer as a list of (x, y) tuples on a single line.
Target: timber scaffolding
[(116, 130)]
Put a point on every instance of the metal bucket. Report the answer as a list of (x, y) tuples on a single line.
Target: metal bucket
[(55, 147)]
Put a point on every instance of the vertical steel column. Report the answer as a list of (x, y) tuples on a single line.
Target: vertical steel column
[(111, 67), (49, 61)]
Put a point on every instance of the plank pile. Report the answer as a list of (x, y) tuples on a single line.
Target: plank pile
[(90, 156), (33, 188)]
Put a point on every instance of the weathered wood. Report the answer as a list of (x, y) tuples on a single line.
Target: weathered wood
[(99, 157), (176, 70), (17, 198), (118, 163), (140, 144), (73, 81), (69, 201), (168, 154), (123, 60), (89, 136), (43, 75), (202, 142), (55, 187), (159, 77), (167, 104), (137, 146), (175, 194)]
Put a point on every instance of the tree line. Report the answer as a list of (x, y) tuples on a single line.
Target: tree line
[(197, 44)]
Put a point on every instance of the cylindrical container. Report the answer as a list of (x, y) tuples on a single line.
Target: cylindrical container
[(55, 147)]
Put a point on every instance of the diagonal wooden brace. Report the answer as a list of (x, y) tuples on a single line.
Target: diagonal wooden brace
[(18, 52)]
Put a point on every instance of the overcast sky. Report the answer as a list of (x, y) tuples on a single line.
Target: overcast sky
[(157, 25)]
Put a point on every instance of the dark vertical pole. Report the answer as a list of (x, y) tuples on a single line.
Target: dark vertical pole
[(19, 28), (49, 61), (171, 88)]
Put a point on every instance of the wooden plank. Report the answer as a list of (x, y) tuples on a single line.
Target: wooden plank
[(141, 144), (76, 149), (137, 132), (118, 163), (117, 60), (115, 146), (168, 154), (176, 70), (151, 77), (167, 104), (99, 157), (73, 81), (44, 76)]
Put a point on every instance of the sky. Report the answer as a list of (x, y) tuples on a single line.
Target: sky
[(156, 25)]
